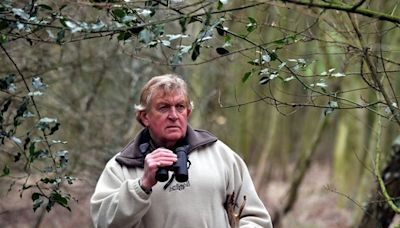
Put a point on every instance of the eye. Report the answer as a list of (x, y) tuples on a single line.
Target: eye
[(163, 108), (180, 107)]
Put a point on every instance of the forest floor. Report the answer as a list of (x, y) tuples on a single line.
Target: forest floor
[(316, 206)]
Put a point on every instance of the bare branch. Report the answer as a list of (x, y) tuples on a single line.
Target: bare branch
[(348, 8)]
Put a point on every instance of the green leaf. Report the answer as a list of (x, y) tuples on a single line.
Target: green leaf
[(6, 105), (252, 25), (220, 30), (252, 20), (35, 196), (27, 141), (146, 36), (119, 13), (3, 38), (176, 60), (37, 200), (63, 22), (222, 51), (227, 41), (124, 35), (58, 198), (136, 30), (37, 83), (60, 36), (183, 24), (50, 204), (6, 171), (17, 157), (70, 179), (47, 180), (196, 52), (332, 105), (3, 25), (254, 63), (246, 76), (7, 82), (273, 56), (220, 5), (54, 128), (22, 108)]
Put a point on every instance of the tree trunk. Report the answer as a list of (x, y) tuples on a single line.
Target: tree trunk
[(378, 212)]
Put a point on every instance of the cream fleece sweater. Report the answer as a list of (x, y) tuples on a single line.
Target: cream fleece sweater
[(215, 172)]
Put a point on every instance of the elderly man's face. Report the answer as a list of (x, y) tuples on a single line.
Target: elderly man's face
[(167, 118)]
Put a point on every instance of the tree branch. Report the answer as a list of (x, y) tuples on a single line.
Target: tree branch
[(358, 4), (348, 8)]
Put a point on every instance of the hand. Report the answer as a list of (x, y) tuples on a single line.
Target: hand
[(160, 157)]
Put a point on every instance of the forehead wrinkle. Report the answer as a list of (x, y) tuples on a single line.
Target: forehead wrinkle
[(169, 98)]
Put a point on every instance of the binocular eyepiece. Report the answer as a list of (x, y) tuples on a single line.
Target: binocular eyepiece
[(179, 168)]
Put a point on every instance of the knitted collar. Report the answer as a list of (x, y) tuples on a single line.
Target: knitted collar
[(133, 154)]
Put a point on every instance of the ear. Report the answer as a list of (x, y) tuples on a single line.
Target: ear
[(143, 117), (189, 111)]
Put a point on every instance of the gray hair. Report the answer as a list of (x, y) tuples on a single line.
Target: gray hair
[(167, 83)]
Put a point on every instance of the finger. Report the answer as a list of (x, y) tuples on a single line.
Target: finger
[(162, 152)]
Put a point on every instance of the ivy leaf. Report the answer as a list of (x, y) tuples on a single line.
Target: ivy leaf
[(58, 198)]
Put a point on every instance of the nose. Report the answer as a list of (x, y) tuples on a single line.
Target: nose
[(173, 113)]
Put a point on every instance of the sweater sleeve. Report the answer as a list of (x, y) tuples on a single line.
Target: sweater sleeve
[(254, 214), (118, 202)]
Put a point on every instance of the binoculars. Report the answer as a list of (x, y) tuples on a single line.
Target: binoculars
[(179, 168)]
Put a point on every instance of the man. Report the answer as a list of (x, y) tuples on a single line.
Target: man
[(128, 194)]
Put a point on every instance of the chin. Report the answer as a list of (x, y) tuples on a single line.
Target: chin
[(175, 136)]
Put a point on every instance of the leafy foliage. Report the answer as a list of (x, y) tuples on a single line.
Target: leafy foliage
[(186, 33), (27, 137)]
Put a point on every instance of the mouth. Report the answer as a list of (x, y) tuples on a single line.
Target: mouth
[(173, 127)]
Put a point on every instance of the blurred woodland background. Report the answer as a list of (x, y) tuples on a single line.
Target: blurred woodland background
[(305, 91)]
